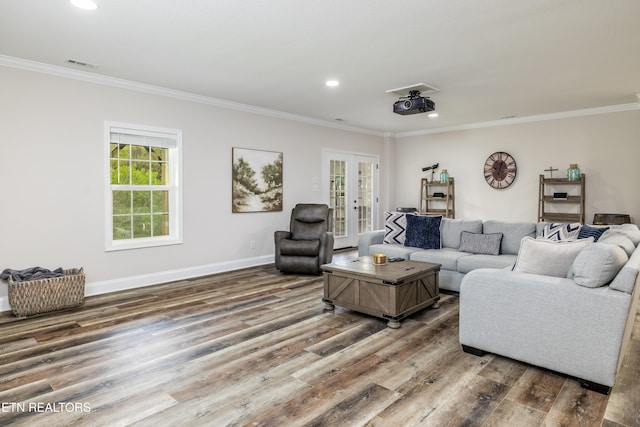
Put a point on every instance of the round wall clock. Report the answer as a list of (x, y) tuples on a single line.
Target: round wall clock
[(500, 170)]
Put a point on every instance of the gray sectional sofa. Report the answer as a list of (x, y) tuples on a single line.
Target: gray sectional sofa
[(456, 263), (579, 325), (565, 306)]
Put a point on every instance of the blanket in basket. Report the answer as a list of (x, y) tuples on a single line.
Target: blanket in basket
[(33, 273)]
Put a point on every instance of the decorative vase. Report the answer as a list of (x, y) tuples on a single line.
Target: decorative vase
[(444, 176), (573, 173)]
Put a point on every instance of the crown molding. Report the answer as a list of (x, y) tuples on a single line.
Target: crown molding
[(527, 119), (38, 67), (24, 64)]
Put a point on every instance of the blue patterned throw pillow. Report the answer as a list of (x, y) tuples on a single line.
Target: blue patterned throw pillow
[(423, 231), (587, 231), (561, 231)]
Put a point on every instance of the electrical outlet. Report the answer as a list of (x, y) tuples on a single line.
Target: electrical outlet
[(252, 244)]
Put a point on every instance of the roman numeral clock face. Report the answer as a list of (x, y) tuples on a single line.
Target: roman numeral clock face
[(500, 170)]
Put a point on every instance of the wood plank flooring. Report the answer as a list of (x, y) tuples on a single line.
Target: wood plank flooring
[(254, 347)]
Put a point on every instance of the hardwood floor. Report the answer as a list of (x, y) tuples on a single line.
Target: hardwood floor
[(254, 347)]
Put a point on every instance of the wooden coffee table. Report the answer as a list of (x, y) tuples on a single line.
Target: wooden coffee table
[(392, 291)]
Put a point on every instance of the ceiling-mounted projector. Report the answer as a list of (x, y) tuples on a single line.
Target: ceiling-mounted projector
[(413, 104)]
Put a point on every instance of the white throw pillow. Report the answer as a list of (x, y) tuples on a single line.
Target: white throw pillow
[(548, 257)]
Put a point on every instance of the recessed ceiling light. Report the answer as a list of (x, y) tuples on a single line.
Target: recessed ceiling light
[(433, 114), (332, 83), (85, 4)]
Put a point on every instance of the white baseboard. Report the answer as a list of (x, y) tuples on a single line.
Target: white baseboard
[(132, 282)]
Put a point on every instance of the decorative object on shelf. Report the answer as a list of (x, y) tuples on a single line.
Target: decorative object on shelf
[(500, 170), (560, 196), (431, 168), (551, 170), (444, 176), (573, 173), (438, 194)]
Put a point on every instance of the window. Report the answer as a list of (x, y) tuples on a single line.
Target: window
[(144, 194)]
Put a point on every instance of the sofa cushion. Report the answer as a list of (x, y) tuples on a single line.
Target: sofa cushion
[(478, 243), (448, 258), (588, 231), (473, 262), (512, 233), (630, 230), (423, 231), (548, 257), (308, 228), (597, 264), (395, 226), (451, 229), (561, 231), (625, 280), (618, 239)]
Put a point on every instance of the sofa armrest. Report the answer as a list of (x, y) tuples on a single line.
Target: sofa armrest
[(546, 321), (369, 238)]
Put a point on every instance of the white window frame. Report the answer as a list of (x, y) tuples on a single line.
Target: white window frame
[(174, 187)]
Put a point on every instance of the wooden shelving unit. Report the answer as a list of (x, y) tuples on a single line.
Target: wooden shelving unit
[(430, 205), (571, 209)]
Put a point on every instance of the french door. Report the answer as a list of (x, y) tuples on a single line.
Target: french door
[(351, 188)]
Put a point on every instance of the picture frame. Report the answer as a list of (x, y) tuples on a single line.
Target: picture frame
[(256, 180)]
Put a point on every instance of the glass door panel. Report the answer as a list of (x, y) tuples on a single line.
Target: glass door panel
[(338, 196), (365, 197), (350, 189)]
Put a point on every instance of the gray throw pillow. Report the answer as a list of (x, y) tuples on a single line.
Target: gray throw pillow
[(597, 264), (614, 238), (477, 243)]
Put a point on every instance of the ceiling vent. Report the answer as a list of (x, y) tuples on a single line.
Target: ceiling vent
[(420, 87), (80, 63)]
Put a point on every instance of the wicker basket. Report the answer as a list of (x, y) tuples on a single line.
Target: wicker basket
[(45, 295)]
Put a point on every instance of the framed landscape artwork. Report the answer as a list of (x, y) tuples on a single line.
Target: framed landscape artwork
[(256, 181)]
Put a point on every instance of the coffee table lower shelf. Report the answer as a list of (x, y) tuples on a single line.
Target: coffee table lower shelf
[(381, 295)]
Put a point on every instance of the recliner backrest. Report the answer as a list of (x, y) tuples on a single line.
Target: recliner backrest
[(308, 221)]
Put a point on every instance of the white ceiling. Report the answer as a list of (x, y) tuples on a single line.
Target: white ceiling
[(490, 58)]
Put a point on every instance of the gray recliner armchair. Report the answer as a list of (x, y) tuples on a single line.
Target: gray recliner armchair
[(309, 243)]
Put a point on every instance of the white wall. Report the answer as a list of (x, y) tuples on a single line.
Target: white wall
[(605, 146), (52, 176)]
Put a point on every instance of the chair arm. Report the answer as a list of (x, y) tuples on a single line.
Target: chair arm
[(278, 236), (326, 247)]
